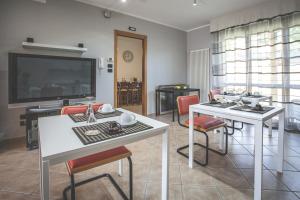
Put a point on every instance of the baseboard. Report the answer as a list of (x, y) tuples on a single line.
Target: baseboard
[(9, 140)]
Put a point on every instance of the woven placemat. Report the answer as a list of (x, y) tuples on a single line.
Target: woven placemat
[(220, 105), (246, 108), (98, 115), (104, 135)]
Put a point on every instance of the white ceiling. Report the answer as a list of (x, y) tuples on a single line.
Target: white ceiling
[(180, 14)]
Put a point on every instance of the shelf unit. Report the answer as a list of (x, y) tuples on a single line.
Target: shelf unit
[(30, 45)]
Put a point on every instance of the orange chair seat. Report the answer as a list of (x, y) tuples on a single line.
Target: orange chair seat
[(97, 159), (205, 122), (79, 109)]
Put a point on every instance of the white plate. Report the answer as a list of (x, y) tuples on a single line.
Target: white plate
[(128, 124), (92, 132), (112, 111)]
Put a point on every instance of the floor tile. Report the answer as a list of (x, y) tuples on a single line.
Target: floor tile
[(227, 177), (269, 180), (290, 179), (278, 195), (294, 161), (195, 176), (243, 161), (235, 194), (198, 192), (270, 162), (237, 149), (7, 195), (153, 191)]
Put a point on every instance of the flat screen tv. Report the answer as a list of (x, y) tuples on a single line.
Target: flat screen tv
[(35, 78)]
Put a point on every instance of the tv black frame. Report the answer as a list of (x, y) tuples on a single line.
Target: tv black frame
[(12, 78)]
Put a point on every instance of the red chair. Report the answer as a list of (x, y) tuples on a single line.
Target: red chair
[(66, 110), (212, 93), (202, 124), (95, 160)]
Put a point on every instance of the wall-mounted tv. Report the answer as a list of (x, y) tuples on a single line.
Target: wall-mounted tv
[(35, 78)]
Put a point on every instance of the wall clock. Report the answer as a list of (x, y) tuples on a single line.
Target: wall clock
[(127, 56)]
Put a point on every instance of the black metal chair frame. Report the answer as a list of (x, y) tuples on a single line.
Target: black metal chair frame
[(112, 180), (235, 128), (206, 146)]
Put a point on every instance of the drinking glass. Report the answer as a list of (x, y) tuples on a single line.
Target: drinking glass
[(90, 114)]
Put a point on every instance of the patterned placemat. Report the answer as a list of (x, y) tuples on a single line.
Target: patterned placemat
[(220, 105), (246, 108), (98, 115), (104, 135)]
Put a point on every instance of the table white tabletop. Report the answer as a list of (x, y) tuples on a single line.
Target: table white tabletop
[(228, 113), (245, 98), (57, 137), (255, 119), (59, 143)]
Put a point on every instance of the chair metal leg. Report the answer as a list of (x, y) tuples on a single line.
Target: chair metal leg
[(235, 128), (72, 187), (130, 179), (206, 147), (120, 191)]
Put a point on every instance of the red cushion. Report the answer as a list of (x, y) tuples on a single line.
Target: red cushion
[(205, 122), (184, 102), (87, 160), (213, 92), (66, 110)]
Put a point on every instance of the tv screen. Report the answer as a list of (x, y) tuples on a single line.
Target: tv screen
[(40, 77)]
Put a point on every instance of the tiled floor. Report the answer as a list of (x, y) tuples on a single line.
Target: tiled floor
[(225, 178)]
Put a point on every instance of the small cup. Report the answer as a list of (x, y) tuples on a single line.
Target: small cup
[(253, 103), (106, 108), (127, 118)]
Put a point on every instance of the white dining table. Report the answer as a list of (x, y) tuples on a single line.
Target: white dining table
[(58, 143), (251, 118), (257, 99)]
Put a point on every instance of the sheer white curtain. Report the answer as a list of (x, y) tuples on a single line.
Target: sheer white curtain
[(199, 72), (264, 57)]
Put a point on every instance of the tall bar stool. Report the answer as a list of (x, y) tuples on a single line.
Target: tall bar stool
[(95, 160), (202, 124)]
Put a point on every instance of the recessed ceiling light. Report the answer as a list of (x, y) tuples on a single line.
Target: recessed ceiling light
[(123, 1), (195, 3)]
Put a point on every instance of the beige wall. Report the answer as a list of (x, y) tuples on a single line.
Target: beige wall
[(129, 70)]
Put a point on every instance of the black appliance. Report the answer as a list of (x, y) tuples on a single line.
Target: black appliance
[(166, 96), (35, 78), (31, 121)]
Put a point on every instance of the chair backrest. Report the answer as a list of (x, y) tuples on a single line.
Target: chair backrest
[(213, 92), (66, 110), (183, 103)]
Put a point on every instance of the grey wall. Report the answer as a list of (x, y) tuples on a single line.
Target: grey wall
[(197, 39), (66, 22)]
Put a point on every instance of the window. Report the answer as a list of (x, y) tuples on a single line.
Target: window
[(262, 57)]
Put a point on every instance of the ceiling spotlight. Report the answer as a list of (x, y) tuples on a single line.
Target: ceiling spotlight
[(123, 1), (195, 3)]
